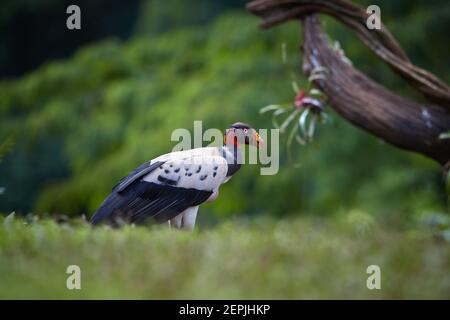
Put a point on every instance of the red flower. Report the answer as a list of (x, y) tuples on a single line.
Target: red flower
[(304, 101), (298, 102)]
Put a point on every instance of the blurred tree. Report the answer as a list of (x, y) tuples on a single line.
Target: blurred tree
[(33, 32)]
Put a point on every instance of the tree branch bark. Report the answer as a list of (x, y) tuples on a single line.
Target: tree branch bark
[(406, 124)]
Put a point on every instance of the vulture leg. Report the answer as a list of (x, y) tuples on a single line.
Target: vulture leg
[(189, 215), (214, 195), (177, 221)]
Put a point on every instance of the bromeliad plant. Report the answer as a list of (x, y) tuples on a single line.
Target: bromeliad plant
[(304, 113), (308, 108)]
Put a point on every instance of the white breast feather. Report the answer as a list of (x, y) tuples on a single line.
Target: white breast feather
[(201, 169)]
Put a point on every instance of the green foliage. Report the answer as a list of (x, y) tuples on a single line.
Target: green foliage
[(5, 147), (82, 124), (160, 16), (303, 258)]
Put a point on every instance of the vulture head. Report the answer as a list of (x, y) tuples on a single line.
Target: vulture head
[(242, 133)]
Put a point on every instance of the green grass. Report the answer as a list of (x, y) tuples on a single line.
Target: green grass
[(259, 258)]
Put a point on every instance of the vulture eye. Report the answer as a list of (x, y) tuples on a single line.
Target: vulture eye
[(245, 130)]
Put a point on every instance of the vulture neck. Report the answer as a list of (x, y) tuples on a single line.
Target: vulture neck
[(233, 155)]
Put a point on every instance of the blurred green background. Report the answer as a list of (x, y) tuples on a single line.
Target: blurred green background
[(85, 107)]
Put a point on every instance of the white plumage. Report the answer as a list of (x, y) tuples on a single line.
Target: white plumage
[(201, 168)]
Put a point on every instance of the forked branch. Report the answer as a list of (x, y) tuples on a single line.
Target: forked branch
[(407, 124)]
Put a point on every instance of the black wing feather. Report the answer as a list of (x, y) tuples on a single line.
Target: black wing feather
[(134, 200), (143, 200), (136, 174)]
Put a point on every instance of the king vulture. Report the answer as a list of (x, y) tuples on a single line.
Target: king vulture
[(171, 187)]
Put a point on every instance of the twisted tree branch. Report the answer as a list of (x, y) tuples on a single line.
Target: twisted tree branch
[(399, 121)]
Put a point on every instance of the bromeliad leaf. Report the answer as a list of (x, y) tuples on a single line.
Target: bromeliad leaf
[(300, 140), (271, 107), (295, 86), (291, 136), (318, 70), (288, 120), (317, 73), (324, 118), (302, 122), (275, 115), (316, 77), (312, 127), (317, 93)]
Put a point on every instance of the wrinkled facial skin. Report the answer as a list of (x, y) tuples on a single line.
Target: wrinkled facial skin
[(247, 136)]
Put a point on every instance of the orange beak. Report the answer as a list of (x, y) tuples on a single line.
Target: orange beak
[(259, 142)]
